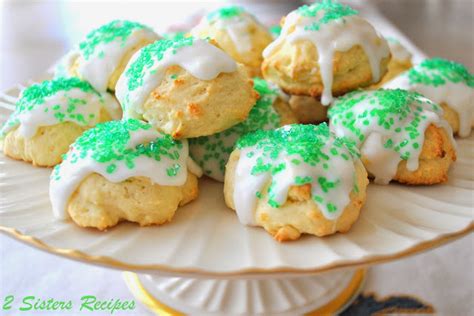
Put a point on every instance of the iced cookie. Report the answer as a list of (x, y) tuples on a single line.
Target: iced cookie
[(238, 33), (186, 88), (123, 170), (50, 115), (325, 49), (102, 56), (447, 83), (294, 180), (271, 111), (401, 135)]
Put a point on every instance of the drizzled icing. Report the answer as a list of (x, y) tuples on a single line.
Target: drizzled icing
[(442, 81), (235, 21), (103, 49), (55, 101), (212, 152), (118, 150), (147, 68), (273, 161), (332, 27), (63, 68), (399, 52), (387, 125)]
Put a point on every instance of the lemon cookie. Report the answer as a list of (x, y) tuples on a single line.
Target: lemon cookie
[(123, 170), (447, 83), (186, 88), (238, 33), (271, 111), (103, 54), (324, 49), (50, 115), (401, 135), (296, 179)]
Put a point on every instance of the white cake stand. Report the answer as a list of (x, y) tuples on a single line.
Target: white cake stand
[(205, 262)]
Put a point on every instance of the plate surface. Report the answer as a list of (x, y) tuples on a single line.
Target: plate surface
[(206, 238)]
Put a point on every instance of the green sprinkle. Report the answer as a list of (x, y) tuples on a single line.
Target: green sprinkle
[(331, 207), (225, 13), (327, 11), (437, 71), (303, 180), (173, 170), (35, 96), (275, 30), (318, 198), (108, 143), (307, 143), (111, 168), (385, 109), (147, 57), (117, 30)]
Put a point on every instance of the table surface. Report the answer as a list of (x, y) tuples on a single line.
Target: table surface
[(443, 278)]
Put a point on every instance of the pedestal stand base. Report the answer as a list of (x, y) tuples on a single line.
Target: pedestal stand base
[(322, 294)]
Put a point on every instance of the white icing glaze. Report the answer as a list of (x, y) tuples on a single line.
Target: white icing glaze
[(43, 115), (202, 60), (236, 27), (382, 162), (64, 66), (112, 106), (246, 185), (399, 52), (98, 68), (457, 96), (72, 173), (339, 35), (193, 167), (211, 167)]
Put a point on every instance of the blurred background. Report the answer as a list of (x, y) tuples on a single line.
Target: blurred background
[(35, 33)]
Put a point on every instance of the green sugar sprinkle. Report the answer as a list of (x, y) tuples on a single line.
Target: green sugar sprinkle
[(307, 144), (108, 144), (35, 96), (36, 93), (387, 108), (118, 30), (262, 116), (305, 141), (275, 30), (437, 71), (225, 13), (149, 55), (331, 11)]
